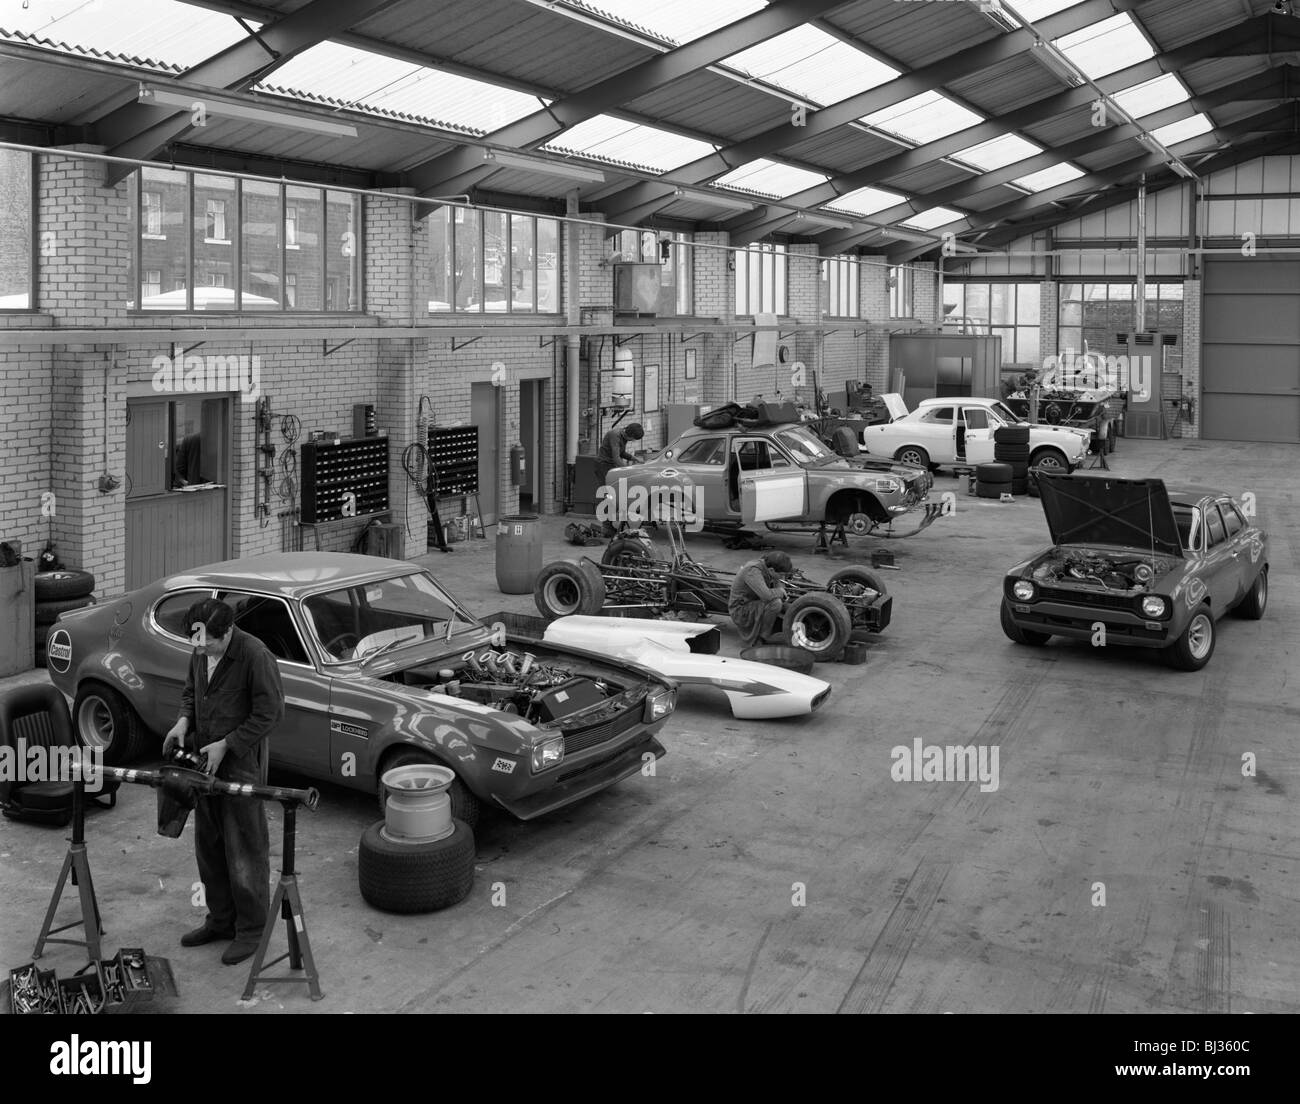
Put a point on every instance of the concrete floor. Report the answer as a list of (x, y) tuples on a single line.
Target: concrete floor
[(674, 893)]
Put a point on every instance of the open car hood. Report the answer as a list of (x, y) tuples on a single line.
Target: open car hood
[(895, 405), (1131, 513)]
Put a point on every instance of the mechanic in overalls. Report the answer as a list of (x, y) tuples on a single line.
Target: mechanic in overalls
[(232, 702), (613, 452), (758, 595)]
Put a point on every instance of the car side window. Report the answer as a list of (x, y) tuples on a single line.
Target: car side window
[(267, 619), (708, 450), (1214, 528), (752, 455), (939, 414), (169, 614), (1233, 521), (976, 418)]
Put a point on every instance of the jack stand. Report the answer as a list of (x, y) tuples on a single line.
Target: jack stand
[(78, 864), (1100, 461), (823, 545), (288, 904)]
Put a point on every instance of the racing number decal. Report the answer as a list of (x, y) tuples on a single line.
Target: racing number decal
[(505, 766)]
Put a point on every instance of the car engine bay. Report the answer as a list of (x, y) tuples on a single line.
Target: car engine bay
[(1095, 570), (515, 681)]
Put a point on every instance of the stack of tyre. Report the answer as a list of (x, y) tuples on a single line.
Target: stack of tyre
[(56, 593), (1011, 447)]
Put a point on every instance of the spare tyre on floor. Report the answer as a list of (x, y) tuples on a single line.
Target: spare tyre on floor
[(409, 877), (54, 586), (48, 612), (993, 473)]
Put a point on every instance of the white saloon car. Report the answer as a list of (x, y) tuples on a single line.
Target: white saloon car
[(959, 431)]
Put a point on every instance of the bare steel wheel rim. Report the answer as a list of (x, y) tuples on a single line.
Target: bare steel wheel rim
[(562, 594), (816, 630), (95, 723), (417, 808), (1200, 633)]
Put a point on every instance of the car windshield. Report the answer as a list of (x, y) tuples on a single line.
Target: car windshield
[(1189, 526), (387, 614), (804, 446), (1000, 410)]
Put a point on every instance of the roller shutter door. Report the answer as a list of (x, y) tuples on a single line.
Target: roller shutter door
[(1250, 374)]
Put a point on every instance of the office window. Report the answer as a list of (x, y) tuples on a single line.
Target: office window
[(1092, 314), (761, 279), (492, 261), (902, 299), (17, 224), (839, 287), (251, 240), (1007, 310)]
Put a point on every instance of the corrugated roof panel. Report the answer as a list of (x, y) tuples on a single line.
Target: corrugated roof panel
[(770, 178), (523, 182), (813, 65), (1212, 73), (32, 90), (845, 149), (176, 34), (1171, 24), (1004, 87), (917, 33), (705, 103), (362, 80), (929, 178), (1106, 47), (675, 20), (923, 118), (604, 136)]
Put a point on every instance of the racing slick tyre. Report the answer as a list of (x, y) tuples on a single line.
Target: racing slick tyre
[(625, 551), (857, 576), (913, 454), (994, 473), (1011, 435), (48, 612), (1020, 487), (102, 719), (819, 624), (1017, 635), (1256, 599), (56, 585), (1192, 650), (464, 805), (564, 588), (409, 876), (1011, 454)]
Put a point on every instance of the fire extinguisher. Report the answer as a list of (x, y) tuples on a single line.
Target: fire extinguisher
[(518, 465)]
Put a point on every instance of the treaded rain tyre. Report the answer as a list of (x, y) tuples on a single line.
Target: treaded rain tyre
[(415, 877), (48, 612), (54, 586)]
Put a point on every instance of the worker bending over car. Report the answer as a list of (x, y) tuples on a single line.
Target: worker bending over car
[(758, 595)]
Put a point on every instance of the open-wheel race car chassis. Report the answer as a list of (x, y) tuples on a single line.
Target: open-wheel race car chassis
[(631, 580)]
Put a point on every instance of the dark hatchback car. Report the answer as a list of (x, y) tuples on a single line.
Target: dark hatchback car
[(1136, 563)]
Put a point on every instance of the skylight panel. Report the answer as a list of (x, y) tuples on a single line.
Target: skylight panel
[(935, 216), (1049, 178), (864, 201), (1005, 149), (1034, 10), (923, 118), (1182, 130), (1152, 96), (619, 140), (176, 34), (361, 79), (812, 64), (771, 178), (676, 20), (1106, 47)]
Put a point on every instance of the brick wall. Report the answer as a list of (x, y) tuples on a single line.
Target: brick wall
[(1191, 349)]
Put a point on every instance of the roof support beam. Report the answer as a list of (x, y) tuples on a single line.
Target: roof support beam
[(141, 130), (542, 126)]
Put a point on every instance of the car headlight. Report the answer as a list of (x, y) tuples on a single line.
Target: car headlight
[(658, 704), (1154, 606), (1023, 590), (548, 753), (888, 486)]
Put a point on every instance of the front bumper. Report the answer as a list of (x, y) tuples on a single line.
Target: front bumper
[(574, 782), (1079, 623)]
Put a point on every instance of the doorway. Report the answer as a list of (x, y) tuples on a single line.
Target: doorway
[(531, 423), (484, 402)]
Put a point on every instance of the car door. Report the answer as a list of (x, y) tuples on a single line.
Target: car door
[(1243, 567), (165, 664), (937, 433), (770, 487), (979, 435), (302, 739), (702, 464), (1219, 571)]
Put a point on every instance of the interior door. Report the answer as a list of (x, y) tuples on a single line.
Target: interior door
[(978, 436), (483, 413)]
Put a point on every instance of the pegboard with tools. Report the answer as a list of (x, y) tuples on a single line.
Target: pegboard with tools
[(453, 460), (344, 479)]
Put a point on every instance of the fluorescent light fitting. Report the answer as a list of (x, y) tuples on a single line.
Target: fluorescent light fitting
[(909, 235), (214, 105), (829, 223), (992, 11), (1055, 63), (1182, 170), (505, 159), (1149, 144), (704, 195)]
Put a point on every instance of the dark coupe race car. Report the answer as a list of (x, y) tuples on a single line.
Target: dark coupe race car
[(367, 648), (630, 578), (1136, 563)]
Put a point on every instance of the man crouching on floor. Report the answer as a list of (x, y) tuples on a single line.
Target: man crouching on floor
[(758, 596), (232, 702)]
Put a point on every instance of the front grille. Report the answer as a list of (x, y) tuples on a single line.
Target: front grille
[(1097, 599), (585, 738)]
